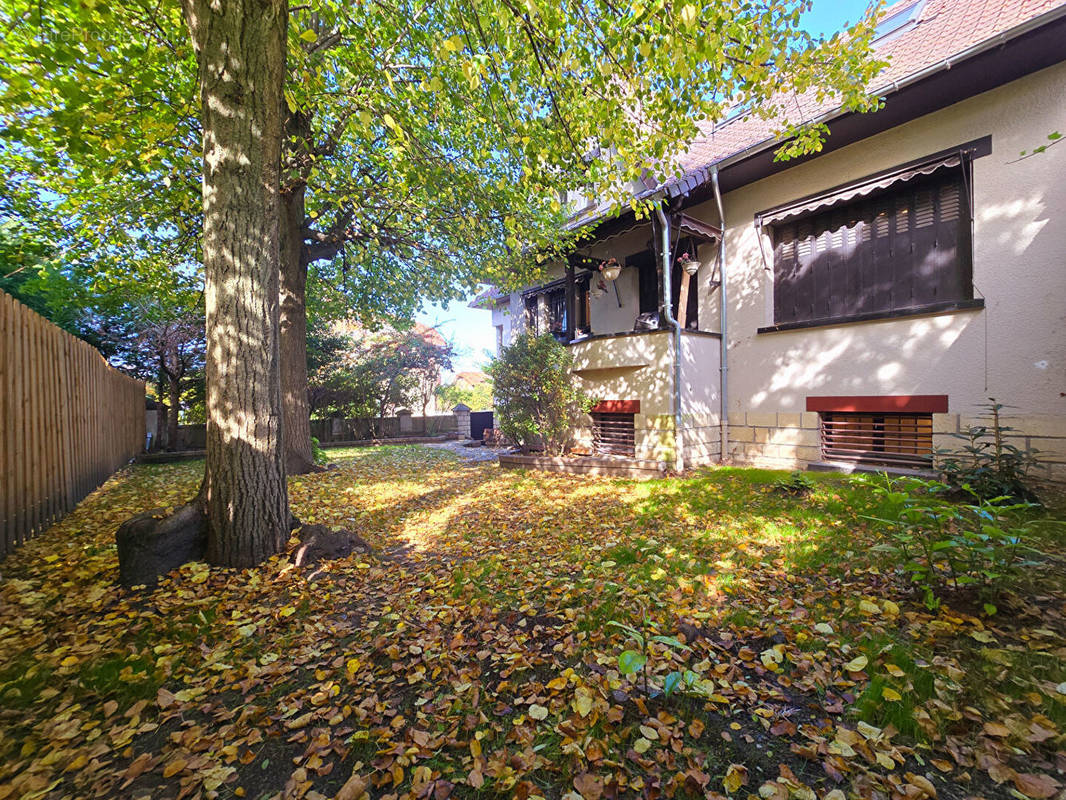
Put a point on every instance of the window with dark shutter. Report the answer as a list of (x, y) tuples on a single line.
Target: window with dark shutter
[(902, 248)]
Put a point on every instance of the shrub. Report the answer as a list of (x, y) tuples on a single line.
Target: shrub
[(319, 455), (536, 401), (797, 484), (943, 545), (989, 466)]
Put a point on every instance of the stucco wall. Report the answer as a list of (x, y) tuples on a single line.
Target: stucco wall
[(1014, 349)]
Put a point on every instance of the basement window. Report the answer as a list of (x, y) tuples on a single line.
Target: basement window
[(899, 440), (614, 434)]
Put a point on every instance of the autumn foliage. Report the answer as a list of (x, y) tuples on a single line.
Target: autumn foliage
[(472, 652)]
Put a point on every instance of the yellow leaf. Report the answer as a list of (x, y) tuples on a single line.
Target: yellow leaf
[(583, 702), (174, 767), (649, 732), (866, 607), (857, 664), (894, 671), (287, 611), (891, 695), (538, 712), (641, 745), (735, 777)]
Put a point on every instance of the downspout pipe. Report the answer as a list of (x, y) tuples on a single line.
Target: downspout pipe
[(723, 359), (664, 230)]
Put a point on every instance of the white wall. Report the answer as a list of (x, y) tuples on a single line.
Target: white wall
[(1014, 349)]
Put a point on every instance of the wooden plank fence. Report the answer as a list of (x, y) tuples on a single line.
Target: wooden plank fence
[(68, 420)]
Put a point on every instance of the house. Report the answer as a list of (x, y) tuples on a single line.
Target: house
[(856, 306), (469, 379)]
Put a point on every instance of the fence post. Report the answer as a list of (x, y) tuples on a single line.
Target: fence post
[(462, 420)]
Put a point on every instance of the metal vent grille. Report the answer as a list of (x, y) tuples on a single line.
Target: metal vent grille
[(902, 440), (614, 434)]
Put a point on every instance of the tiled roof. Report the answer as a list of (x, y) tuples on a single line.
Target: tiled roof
[(941, 29)]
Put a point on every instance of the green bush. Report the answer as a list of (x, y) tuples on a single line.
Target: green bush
[(989, 466), (943, 545), (536, 401), (317, 453), (797, 484)]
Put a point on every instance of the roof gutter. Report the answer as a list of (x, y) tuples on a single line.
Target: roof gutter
[(664, 229), (723, 358)]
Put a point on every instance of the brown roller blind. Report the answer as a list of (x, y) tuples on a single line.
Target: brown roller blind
[(906, 247)]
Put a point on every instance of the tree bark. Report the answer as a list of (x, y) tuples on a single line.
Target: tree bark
[(240, 47), (293, 331)]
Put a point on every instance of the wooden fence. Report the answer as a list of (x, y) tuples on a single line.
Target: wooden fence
[(67, 421)]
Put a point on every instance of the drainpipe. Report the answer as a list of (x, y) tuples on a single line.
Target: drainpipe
[(664, 225), (724, 357)]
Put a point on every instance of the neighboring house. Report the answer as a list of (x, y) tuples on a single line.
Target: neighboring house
[(470, 379), (875, 295)]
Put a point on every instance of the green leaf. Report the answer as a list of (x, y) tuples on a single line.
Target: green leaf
[(630, 662), (671, 682), (670, 641)]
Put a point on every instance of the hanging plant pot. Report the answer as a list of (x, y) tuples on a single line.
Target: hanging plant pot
[(691, 266), (610, 269)]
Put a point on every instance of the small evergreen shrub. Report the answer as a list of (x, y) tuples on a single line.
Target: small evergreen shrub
[(536, 400)]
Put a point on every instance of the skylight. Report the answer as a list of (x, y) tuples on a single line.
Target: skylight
[(899, 20)]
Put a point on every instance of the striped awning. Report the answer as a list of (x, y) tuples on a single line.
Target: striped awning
[(853, 191)]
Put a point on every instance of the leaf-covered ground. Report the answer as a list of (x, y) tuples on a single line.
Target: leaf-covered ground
[(470, 655)]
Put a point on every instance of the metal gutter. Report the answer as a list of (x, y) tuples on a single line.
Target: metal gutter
[(702, 175), (723, 359), (667, 282)]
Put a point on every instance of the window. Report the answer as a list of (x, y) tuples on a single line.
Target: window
[(557, 313), (532, 314), (895, 23), (582, 319), (647, 280), (614, 434), (903, 248), (499, 338), (902, 440)]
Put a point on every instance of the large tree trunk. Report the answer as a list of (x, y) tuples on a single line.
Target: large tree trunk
[(240, 45), (293, 285)]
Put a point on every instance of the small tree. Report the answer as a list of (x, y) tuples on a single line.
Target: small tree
[(537, 402), (477, 398)]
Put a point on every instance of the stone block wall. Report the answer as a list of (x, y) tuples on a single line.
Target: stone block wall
[(790, 440)]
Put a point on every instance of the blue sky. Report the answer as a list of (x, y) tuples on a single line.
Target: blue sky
[(471, 330)]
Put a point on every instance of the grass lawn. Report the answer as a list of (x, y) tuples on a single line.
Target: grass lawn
[(473, 655)]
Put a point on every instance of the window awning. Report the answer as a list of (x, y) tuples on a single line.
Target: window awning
[(853, 191), (690, 226)]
